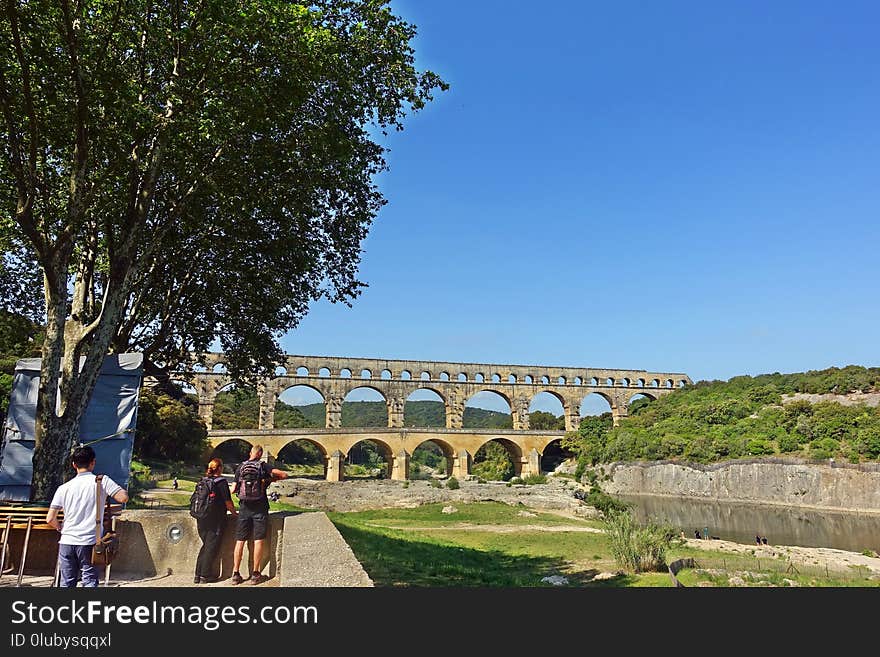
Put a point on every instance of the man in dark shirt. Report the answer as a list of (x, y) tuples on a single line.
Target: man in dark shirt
[(253, 514)]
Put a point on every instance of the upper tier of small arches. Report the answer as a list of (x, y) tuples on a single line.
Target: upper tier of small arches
[(462, 373)]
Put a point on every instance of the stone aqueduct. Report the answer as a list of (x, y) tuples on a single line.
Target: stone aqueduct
[(333, 378)]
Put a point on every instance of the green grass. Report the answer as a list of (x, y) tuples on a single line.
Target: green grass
[(478, 513), (183, 484), (425, 547), (394, 555)]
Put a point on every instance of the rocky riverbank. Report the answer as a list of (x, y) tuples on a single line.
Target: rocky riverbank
[(833, 487)]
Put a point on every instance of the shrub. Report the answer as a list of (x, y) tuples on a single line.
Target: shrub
[(824, 448), (435, 484), (532, 479), (759, 447), (637, 548), (516, 480), (452, 484), (406, 484), (601, 500), (788, 443)]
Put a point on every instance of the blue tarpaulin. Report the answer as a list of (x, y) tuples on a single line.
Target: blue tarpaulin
[(112, 412)]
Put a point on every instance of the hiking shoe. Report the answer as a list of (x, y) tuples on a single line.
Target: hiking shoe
[(236, 578), (197, 580), (257, 578)]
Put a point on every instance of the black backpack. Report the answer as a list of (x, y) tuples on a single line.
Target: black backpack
[(203, 498), (251, 480)]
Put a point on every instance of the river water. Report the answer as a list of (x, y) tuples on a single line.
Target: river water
[(781, 525)]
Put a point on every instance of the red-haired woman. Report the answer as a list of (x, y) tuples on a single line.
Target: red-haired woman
[(212, 525)]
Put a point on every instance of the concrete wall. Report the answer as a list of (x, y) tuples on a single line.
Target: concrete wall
[(147, 549), (798, 484)]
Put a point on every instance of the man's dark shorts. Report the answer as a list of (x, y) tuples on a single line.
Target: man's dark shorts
[(253, 521)]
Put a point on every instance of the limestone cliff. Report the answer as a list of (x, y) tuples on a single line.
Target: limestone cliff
[(830, 486)]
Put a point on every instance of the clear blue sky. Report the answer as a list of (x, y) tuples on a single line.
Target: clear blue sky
[(679, 186)]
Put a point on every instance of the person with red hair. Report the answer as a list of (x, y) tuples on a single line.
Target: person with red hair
[(212, 525)]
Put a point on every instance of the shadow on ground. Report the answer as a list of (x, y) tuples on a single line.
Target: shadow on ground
[(397, 561)]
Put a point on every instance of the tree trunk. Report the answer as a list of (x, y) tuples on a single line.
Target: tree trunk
[(58, 433), (52, 440), (52, 460)]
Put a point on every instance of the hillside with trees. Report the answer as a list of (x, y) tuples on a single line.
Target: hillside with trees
[(743, 417)]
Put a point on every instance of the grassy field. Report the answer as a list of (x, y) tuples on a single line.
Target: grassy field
[(499, 545), (491, 544), (481, 545)]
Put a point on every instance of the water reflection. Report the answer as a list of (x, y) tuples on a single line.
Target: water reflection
[(781, 525)]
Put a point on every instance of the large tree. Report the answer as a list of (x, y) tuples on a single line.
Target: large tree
[(187, 171)]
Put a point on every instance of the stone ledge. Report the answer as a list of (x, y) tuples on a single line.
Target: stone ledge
[(314, 553)]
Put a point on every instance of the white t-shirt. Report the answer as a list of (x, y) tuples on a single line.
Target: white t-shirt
[(77, 499)]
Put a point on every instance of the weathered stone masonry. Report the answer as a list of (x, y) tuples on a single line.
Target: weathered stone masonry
[(334, 377)]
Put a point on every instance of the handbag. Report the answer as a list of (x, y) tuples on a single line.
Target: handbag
[(106, 546)]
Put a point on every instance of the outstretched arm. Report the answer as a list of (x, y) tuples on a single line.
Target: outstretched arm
[(120, 496), (279, 474)]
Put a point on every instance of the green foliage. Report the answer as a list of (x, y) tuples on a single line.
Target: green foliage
[(301, 452), (452, 484), (532, 479), (788, 443), (492, 462), (743, 417), (19, 338), (429, 454), (599, 499), (637, 548), (139, 480), (236, 408), (169, 429), (824, 448), (194, 173), (547, 421), (759, 447), (434, 483)]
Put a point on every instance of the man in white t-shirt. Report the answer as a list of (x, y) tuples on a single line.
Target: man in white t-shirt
[(77, 499)]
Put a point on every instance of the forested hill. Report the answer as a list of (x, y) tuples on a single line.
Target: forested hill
[(745, 416)]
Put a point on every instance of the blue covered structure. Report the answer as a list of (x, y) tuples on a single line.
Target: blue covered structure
[(111, 412)]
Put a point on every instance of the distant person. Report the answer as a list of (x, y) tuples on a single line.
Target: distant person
[(697, 533), (764, 540), (212, 524), (757, 539), (77, 498), (251, 480), (706, 532), (174, 483)]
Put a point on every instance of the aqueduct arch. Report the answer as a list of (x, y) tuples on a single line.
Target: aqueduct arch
[(335, 377)]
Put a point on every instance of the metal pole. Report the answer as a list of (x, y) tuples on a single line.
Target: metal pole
[(24, 549), (6, 532), (107, 567)]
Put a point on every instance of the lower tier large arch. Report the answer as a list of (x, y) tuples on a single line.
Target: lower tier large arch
[(397, 445)]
